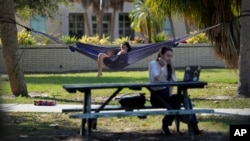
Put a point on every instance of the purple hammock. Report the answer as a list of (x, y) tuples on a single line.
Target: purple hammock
[(123, 60), (136, 54)]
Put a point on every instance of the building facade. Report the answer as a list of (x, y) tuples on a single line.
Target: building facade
[(71, 20)]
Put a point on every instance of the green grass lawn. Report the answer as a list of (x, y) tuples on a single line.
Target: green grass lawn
[(219, 93), (221, 83)]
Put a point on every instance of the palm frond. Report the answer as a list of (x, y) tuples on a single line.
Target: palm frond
[(206, 13)]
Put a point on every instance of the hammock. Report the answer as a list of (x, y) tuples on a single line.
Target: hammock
[(136, 54), (123, 60)]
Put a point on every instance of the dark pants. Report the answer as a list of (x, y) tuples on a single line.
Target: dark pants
[(158, 98)]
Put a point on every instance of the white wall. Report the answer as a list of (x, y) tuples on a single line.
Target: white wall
[(54, 59)]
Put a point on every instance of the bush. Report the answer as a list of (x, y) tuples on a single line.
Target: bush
[(104, 40), (200, 38), (160, 37), (139, 40), (25, 38), (118, 41), (68, 39), (94, 40)]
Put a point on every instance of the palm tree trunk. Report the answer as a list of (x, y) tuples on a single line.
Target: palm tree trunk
[(171, 24), (87, 24), (99, 22), (112, 29), (244, 62), (149, 31), (11, 52)]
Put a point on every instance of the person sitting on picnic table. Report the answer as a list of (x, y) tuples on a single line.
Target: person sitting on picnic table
[(162, 70), (125, 48)]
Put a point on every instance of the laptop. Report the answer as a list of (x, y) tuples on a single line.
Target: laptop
[(192, 73)]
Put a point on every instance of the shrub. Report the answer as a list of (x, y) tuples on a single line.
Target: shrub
[(160, 37), (200, 38), (139, 40), (46, 41), (104, 40), (68, 39), (118, 41), (25, 38)]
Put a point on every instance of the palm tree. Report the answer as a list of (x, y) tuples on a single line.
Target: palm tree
[(98, 9), (11, 52), (225, 38), (117, 5), (144, 20), (85, 5)]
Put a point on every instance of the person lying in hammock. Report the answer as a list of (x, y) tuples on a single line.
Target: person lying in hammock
[(124, 48)]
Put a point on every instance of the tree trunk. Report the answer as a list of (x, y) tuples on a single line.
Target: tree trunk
[(87, 24), (112, 29), (100, 19), (149, 31), (244, 62), (11, 52), (172, 25)]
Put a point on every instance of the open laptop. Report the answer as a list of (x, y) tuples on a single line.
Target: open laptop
[(192, 73)]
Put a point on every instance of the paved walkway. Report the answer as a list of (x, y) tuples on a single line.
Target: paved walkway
[(58, 109)]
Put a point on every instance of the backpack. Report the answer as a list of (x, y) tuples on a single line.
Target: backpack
[(132, 101)]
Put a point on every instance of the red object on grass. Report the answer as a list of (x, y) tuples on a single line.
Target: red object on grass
[(44, 102)]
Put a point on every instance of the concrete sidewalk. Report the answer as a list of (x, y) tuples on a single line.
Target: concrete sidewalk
[(58, 109)]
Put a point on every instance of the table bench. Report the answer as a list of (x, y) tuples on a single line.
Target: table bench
[(88, 114)]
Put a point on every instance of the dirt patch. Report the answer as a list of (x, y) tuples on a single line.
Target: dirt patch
[(38, 94), (220, 97)]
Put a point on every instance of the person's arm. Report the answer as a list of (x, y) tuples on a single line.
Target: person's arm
[(121, 52), (160, 76), (156, 73), (163, 65)]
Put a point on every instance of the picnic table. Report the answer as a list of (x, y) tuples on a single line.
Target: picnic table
[(88, 114)]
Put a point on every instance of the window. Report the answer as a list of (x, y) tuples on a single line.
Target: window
[(76, 24), (105, 24), (124, 26), (38, 23)]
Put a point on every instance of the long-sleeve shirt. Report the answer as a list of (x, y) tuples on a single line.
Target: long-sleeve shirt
[(155, 70)]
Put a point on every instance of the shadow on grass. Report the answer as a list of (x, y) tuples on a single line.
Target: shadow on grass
[(38, 127), (227, 120), (151, 135)]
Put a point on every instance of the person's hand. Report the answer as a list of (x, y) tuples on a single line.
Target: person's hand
[(162, 62)]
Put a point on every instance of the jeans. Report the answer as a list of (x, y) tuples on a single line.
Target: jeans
[(174, 101)]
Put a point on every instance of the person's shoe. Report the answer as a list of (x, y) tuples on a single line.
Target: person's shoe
[(166, 132), (196, 129)]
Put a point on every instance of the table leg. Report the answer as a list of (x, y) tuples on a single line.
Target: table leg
[(108, 100), (89, 121), (82, 128), (187, 106)]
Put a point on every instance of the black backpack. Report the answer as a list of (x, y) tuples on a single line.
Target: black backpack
[(132, 101)]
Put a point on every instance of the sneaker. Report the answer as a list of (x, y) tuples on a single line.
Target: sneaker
[(196, 129), (166, 132)]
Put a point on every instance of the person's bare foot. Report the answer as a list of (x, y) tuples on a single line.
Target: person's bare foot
[(99, 75)]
